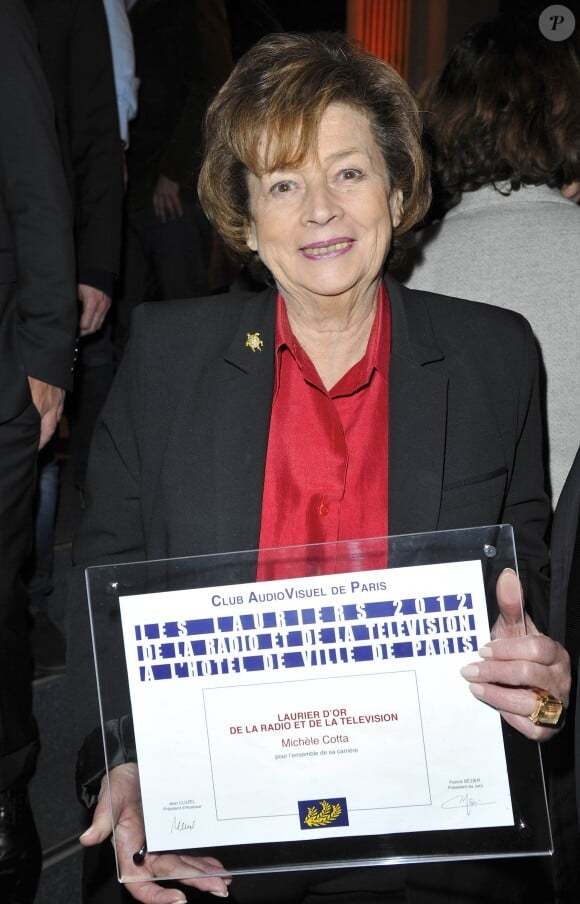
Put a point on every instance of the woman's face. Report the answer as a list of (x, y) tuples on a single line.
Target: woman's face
[(324, 228)]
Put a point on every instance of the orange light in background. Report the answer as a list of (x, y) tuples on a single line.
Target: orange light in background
[(382, 27)]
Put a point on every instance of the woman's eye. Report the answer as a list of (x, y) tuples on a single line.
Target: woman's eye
[(280, 188), (349, 175)]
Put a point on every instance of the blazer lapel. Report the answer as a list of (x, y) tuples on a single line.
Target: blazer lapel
[(417, 416), (244, 383)]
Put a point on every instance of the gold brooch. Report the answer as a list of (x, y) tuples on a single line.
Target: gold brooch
[(254, 342)]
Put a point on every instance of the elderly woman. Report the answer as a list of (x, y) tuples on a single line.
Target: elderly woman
[(334, 405)]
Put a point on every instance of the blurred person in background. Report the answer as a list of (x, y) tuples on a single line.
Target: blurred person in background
[(503, 131), (38, 321), (75, 51), (182, 54)]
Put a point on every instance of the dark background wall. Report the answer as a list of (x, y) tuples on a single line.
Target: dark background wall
[(310, 16), (435, 27)]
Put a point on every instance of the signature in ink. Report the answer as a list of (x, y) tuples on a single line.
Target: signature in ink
[(179, 825), (464, 802)]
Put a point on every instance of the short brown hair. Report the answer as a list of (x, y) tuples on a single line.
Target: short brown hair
[(504, 108), (283, 85)]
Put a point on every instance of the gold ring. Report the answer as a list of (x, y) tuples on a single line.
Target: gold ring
[(548, 709)]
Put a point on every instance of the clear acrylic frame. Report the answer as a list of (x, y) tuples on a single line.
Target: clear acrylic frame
[(110, 589)]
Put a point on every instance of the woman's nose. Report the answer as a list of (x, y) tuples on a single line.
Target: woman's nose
[(321, 205)]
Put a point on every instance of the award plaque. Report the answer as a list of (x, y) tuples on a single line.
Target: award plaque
[(303, 707)]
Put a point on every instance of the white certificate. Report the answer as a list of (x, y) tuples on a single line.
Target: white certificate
[(314, 707)]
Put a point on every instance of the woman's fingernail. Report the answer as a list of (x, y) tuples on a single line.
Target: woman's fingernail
[(486, 651), (470, 671), (220, 894), (477, 690)]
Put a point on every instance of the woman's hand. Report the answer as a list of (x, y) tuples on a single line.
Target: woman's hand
[(516, 664), (125, 803)]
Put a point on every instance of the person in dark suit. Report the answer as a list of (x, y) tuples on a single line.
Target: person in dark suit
[(334, 405), (38, 321), (182, 56), (76, 56)]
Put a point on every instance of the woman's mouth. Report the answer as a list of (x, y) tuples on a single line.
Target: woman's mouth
[(327, 249)]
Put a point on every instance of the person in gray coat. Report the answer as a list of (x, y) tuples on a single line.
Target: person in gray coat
[(502, 126)]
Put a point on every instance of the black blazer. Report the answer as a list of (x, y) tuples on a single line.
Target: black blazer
[(563, 754), (75, 50), (564, 529), (178, 457), (38, 312)]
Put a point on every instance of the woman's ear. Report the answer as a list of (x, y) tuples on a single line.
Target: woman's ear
[(396, 206), (251, 238)]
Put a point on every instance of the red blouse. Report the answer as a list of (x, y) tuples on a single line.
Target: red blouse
[(326, 464)]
